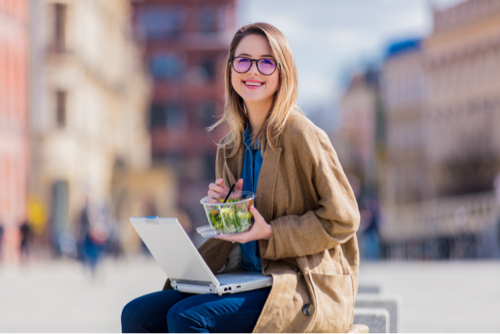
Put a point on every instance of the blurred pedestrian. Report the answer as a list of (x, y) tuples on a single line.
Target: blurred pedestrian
[(1, 239), (496, 187), (24, 247), (370, 217), (92, 237)]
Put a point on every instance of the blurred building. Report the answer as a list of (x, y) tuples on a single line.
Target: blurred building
[(358, 145), (443, 148), (89, 96), (186, 49), (403, 93), (14, 90), (463, 106)]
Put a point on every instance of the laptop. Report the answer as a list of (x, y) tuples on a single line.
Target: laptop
[(180, 260)]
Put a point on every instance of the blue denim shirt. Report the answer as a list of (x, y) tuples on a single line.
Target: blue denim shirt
[(252, 164)]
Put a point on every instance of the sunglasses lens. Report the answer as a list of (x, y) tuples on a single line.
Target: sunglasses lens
[(242, 64), (267, 66)]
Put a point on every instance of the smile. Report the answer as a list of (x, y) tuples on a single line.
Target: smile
[(253, 83)]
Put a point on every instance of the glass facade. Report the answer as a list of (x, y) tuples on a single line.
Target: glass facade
[(166, 66), (168, 114), (160, 21)]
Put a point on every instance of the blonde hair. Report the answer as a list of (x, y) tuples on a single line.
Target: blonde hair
[(285, 98)]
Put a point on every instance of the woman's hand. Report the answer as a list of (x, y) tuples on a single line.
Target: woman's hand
[(218, 190), (260, 230)]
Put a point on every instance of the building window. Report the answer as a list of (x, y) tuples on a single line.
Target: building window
[(61, 101), (209, 166), (170, 115), (157, 118), (207, 112), (208, 64), (208, 19), (205, 71), (59, 27), (160, 21), (166, 66)]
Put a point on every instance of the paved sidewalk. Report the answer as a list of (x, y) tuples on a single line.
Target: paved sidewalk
[(59, 297), (460, 297)]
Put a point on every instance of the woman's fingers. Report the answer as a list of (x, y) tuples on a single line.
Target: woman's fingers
[(217, 188), (259, 230), (239, 185), (215, 195), (220, 183), (263, 229), (256, 214)]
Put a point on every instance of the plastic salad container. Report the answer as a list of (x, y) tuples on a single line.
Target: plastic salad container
[(231, 217)]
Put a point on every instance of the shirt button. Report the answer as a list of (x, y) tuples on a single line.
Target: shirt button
[(297, 270), (308, 309)]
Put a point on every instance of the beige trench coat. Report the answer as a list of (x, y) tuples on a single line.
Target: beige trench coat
[(313, 252)]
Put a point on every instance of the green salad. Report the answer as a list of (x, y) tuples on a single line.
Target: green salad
[(231, 218)]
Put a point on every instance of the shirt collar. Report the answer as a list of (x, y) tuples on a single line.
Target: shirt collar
[(247, 139), (247, 136)]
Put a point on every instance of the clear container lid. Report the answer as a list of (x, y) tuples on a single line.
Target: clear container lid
[(207, 231), (241, 195)]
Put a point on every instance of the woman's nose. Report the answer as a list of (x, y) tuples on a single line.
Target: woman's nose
[(253, 68)]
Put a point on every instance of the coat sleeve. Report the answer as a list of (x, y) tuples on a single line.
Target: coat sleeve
[(336, 218)]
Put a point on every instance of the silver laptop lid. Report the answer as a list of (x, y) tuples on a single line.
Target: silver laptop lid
[(173, 250)]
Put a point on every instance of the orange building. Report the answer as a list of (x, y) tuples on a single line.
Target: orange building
[(14, 154)]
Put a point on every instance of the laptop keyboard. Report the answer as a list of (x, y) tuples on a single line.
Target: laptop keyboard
[(225, 279)]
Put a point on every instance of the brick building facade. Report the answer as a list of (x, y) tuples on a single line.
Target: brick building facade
[(14, 152), (186, 48)]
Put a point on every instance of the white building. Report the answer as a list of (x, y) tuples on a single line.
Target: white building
[(89, 97), (442, 108)]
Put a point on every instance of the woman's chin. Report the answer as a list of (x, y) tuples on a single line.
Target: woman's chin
[(251, 98)]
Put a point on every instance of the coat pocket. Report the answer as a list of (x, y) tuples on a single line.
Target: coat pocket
[(335, 302)]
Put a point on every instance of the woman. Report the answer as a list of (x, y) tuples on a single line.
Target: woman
[(305, 212)]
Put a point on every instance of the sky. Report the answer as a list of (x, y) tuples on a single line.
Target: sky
[(332, 39)]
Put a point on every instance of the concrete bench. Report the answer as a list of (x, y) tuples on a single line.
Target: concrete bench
[(389, 302), (368, 288), (358, 329), (376, 319)]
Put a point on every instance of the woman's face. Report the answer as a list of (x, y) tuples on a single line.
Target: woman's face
[(253, 86)]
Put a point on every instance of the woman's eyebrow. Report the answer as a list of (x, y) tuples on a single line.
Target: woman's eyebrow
[(247, 55)]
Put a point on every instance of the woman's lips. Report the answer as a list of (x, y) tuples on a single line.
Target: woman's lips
[(253, 84)]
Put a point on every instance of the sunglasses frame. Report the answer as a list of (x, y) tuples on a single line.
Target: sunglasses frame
[(251, 64)]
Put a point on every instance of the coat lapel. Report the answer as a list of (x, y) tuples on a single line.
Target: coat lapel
[(267, 182), (265, 191), (233, 166)]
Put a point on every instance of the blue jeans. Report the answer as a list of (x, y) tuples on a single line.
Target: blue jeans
[(171, 311)]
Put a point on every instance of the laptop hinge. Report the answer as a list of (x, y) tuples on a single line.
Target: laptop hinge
[(192, 282)]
